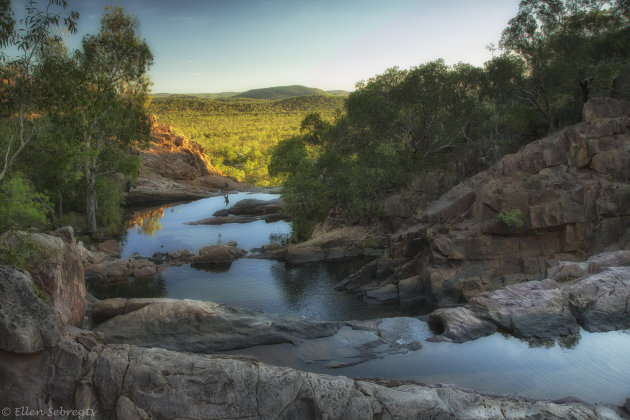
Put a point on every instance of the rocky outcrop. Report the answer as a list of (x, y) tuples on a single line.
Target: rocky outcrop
[(187, 325), (44, 367), (175, 168), (27, 324), (57, 270), (246, 211), (116, 269), (561, 198), (218, 254), (545, 309)]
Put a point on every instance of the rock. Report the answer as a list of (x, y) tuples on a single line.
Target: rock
[(199, 326), (27, 325), (217, 254), (544, 309), (560, 198), (600, 301), (253, 207), (111, 247), (385, 294), (598, 108), (303, 254), (459, 324), (535, 309), (164, 384), (57, 270), (142, 269)]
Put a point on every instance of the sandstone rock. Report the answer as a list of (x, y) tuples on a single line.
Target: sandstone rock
[(111, 248), (600, 301), (217, 254), (598, 108), (304, 254), (253, 207), (27, 325), (58, 271), (386, 294), (560, 198), (459, 324), (199, 326)]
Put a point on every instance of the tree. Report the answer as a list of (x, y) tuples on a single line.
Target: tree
[(572, 50), (102, 102), (20, 89)]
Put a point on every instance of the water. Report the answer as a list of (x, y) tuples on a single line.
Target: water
[(593, 369), (164, 229)]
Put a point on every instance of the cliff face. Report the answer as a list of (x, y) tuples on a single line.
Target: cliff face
[(564, 197), (175, 168)]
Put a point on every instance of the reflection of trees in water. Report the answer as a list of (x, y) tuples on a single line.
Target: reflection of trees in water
[(129, 288), (146, 220), (298, 281)]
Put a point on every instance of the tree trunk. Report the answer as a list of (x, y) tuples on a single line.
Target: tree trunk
[(91, 199)]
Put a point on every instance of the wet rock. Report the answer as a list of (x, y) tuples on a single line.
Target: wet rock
[(217, 254)]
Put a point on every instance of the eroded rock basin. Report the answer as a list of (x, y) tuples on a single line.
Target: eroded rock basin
[(592, 368)]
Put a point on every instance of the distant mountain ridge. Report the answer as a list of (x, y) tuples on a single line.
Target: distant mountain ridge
[(270, 93)]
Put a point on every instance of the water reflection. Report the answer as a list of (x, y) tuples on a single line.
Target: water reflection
[(129, 288), (147, 221)]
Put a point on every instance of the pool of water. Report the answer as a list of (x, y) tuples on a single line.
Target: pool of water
[(593, 369), (164, 229)]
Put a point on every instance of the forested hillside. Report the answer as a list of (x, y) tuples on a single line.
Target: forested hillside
[(238, 134), (426, 128)]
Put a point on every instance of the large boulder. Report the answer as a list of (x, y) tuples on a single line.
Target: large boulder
[(27, 324), (545, 309), (199, 326), (57, 270), (218, 254)]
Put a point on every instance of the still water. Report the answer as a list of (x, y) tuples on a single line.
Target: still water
[(595, 368)]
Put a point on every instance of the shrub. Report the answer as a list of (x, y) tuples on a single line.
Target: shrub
[(512, 218), (20, 206)]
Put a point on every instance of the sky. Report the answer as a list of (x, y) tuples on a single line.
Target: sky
[(236, 45)]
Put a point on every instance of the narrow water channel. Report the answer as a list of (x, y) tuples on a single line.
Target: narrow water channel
[(594, 369)]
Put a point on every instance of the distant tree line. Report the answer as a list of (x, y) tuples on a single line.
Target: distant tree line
[(68, 118), (457, 120)]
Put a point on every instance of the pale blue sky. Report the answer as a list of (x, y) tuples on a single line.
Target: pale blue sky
[(235, 45)]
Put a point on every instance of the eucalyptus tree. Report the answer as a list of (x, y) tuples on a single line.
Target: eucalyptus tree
[(22, 44), (572, 49), (102, 100)]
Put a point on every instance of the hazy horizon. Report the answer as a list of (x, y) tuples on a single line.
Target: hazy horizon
[(237, 45)]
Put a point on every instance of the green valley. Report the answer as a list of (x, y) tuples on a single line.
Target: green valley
[(239, 133)]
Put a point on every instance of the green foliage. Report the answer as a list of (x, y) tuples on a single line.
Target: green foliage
[(21, 207), (240, 134), (512, 218), (109, 192)]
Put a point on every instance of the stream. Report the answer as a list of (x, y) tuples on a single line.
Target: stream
[(594, 368)]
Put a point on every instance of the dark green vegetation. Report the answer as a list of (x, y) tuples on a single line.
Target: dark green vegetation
[(68, 119), (284, 92), (238, 134), (440, 122)]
